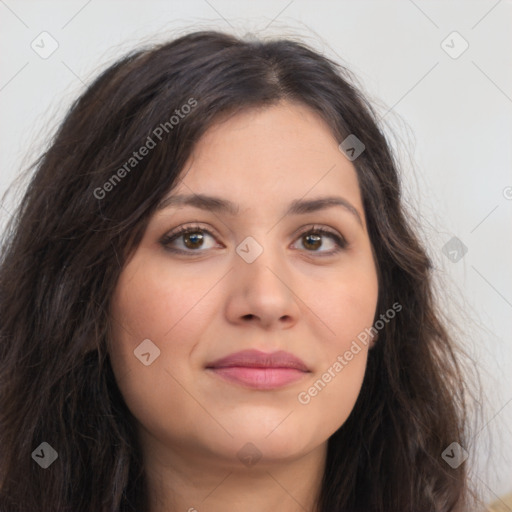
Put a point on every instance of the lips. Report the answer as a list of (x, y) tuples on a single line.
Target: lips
[(260, 370)]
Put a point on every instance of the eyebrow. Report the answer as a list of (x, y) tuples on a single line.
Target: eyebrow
[(296, 207)]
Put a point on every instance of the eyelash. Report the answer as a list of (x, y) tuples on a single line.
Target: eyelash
[(340, 242)]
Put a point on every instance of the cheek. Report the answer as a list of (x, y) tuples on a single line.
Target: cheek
[(347, 304), (355, 312), (347, 307), (152, 300), (146, 307)]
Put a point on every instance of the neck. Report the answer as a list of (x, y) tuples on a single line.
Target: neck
[(194, 483)]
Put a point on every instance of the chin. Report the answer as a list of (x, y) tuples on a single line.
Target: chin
[(272, 445)]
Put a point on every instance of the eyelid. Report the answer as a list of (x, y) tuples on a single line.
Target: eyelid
[(318, 228), (184, 229)]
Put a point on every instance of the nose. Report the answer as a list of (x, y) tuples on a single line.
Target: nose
[(262, 293)]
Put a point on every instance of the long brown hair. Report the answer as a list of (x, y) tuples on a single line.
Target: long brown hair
[(80, 219)]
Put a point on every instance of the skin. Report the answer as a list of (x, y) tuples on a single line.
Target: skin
[(207, 304)]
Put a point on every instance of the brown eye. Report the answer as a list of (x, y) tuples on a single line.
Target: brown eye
[(313, 240), (192, 240)]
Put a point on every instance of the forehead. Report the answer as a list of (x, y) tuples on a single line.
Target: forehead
[(274, 153)]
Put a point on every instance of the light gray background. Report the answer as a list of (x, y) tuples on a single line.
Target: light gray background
[(451, 118)]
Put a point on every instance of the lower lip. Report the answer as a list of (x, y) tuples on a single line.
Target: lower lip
[(260, 378)]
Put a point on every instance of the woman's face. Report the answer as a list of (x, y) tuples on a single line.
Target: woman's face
[(255, 277)]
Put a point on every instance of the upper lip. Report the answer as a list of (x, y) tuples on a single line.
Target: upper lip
[(258, 359)]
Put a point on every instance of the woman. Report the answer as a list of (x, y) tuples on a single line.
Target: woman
[(211, 300)]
